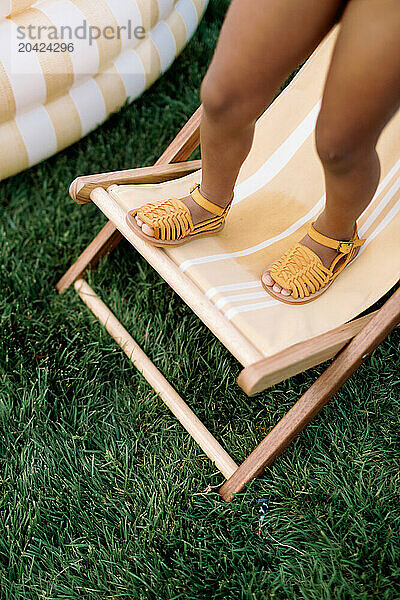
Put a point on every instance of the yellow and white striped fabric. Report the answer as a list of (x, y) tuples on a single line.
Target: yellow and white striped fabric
[(280, 190), (12, 7), (49, 100)]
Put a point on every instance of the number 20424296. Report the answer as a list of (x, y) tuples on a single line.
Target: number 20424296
[(42, 47)]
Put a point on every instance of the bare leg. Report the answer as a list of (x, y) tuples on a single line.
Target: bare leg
[(362, 93), (260, 44)]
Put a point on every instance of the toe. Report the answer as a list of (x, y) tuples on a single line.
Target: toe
[(286, 292), (267, 279), (277, 288), (147, 230)]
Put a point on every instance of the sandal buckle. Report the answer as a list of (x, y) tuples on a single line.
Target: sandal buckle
[(345, 247)]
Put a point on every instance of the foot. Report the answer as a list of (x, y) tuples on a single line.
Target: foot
[(198, 214), (327, 255)]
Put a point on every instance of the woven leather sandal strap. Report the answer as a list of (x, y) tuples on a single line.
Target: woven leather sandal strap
[(206, 204), (170, 219), (345, 247), (301, 271)]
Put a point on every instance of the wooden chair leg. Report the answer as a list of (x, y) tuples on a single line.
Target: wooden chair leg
[(109, 237), (309, 405)]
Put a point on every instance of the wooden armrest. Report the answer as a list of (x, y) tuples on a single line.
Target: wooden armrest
[(82, 187)]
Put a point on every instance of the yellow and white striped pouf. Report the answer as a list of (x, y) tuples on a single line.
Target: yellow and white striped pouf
[(66, 65)]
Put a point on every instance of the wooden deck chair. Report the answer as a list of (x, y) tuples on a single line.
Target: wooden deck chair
[(219, 276)]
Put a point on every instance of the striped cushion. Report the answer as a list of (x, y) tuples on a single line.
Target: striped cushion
[(12, 7), (50, 100)]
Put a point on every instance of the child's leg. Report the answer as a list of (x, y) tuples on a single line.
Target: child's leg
[(362, 93), (261, 43)]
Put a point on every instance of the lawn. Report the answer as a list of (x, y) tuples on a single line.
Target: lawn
[(102, 493)]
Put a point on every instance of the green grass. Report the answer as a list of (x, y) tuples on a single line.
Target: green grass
[(103, 495)]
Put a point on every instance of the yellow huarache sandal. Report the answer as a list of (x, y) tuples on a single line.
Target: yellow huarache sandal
[(301, 270), (172, 221)]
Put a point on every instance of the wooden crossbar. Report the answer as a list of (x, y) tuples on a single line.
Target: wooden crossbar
[(179, 408)]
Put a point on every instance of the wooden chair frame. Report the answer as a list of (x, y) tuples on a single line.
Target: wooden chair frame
[(354, 341)]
